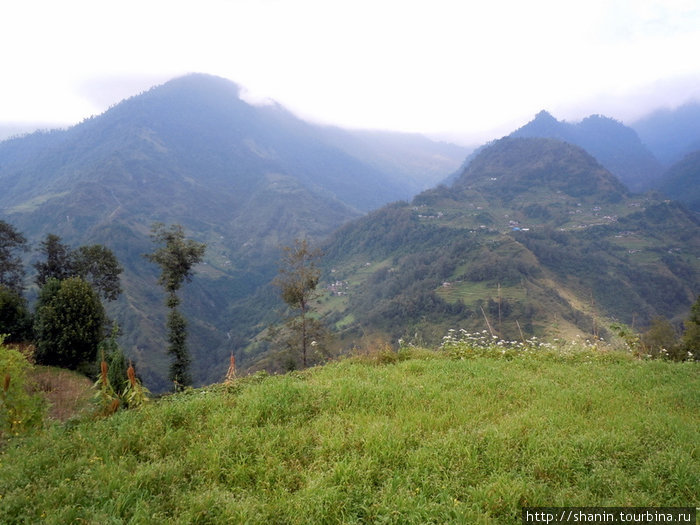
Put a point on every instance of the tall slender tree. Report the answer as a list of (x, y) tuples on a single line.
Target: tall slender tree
[(176, 256), (297, 280), (11, 270), (14, 316)]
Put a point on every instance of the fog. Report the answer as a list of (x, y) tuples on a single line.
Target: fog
[(464, 70)]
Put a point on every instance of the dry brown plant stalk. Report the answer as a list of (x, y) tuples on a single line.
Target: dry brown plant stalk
[(103, 372), (131, 373), (231, 373)]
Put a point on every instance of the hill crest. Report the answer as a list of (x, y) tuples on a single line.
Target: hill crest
[(614, 145)]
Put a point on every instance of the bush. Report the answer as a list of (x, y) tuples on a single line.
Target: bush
[(691, 337), (14, 316), (20, 411), (69, 324)]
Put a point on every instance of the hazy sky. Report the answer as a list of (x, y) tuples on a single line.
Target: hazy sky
[(468, 69)]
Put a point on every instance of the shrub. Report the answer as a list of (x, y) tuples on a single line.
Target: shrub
[(20, 411), (15, 319), (69, 324)]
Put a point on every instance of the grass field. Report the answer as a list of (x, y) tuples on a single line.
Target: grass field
[(410, 437)]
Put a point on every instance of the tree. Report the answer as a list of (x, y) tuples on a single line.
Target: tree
[(95, 264), (297, 280), (57, 263), (111, 353), (176, 256), (20, 410), (69, 324), (99, 266), (15, 320), (11, 271), (691, 336), (661, 339)]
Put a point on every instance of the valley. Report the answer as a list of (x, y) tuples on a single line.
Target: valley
[(531, 235)]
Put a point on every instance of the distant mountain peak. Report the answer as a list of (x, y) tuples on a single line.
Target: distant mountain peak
[(516, 166), (614, 145), (543, 125), (200, 80), (545, 115)]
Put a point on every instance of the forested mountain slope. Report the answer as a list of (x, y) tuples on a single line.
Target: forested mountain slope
[(681, 181), (535, 237), (671, 133), (616, 146), (243, 179)]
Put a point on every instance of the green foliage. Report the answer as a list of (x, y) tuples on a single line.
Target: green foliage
[(99, 266), (691, 336), (297, 280), (15, 319), (680, 181), (117, 388), (426, 439), (612, 144), (176, 256), (69, 324), (20, 411), (177, 347), (107, 398), (57, 262), (661, 340), (95, 264), (135, 394), (631, 339), (111, 353), (540, 221), (11, 270)]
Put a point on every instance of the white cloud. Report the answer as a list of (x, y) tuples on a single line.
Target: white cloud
[(432, 66)]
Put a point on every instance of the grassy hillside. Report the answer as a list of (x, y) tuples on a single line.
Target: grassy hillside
[(456, 435)]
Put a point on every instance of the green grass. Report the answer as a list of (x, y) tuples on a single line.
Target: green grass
[(409, 437), (33, 204), (471, 292)]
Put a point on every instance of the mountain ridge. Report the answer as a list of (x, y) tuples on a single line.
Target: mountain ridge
[(535, 236), (244, 179), (671, 133), (614, 145), (515, 247)]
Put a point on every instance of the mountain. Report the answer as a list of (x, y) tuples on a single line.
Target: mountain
[(417, 162), (681, 181), (534, 238), (243, 179), (614, 145), (205, 115), (671, 133)]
